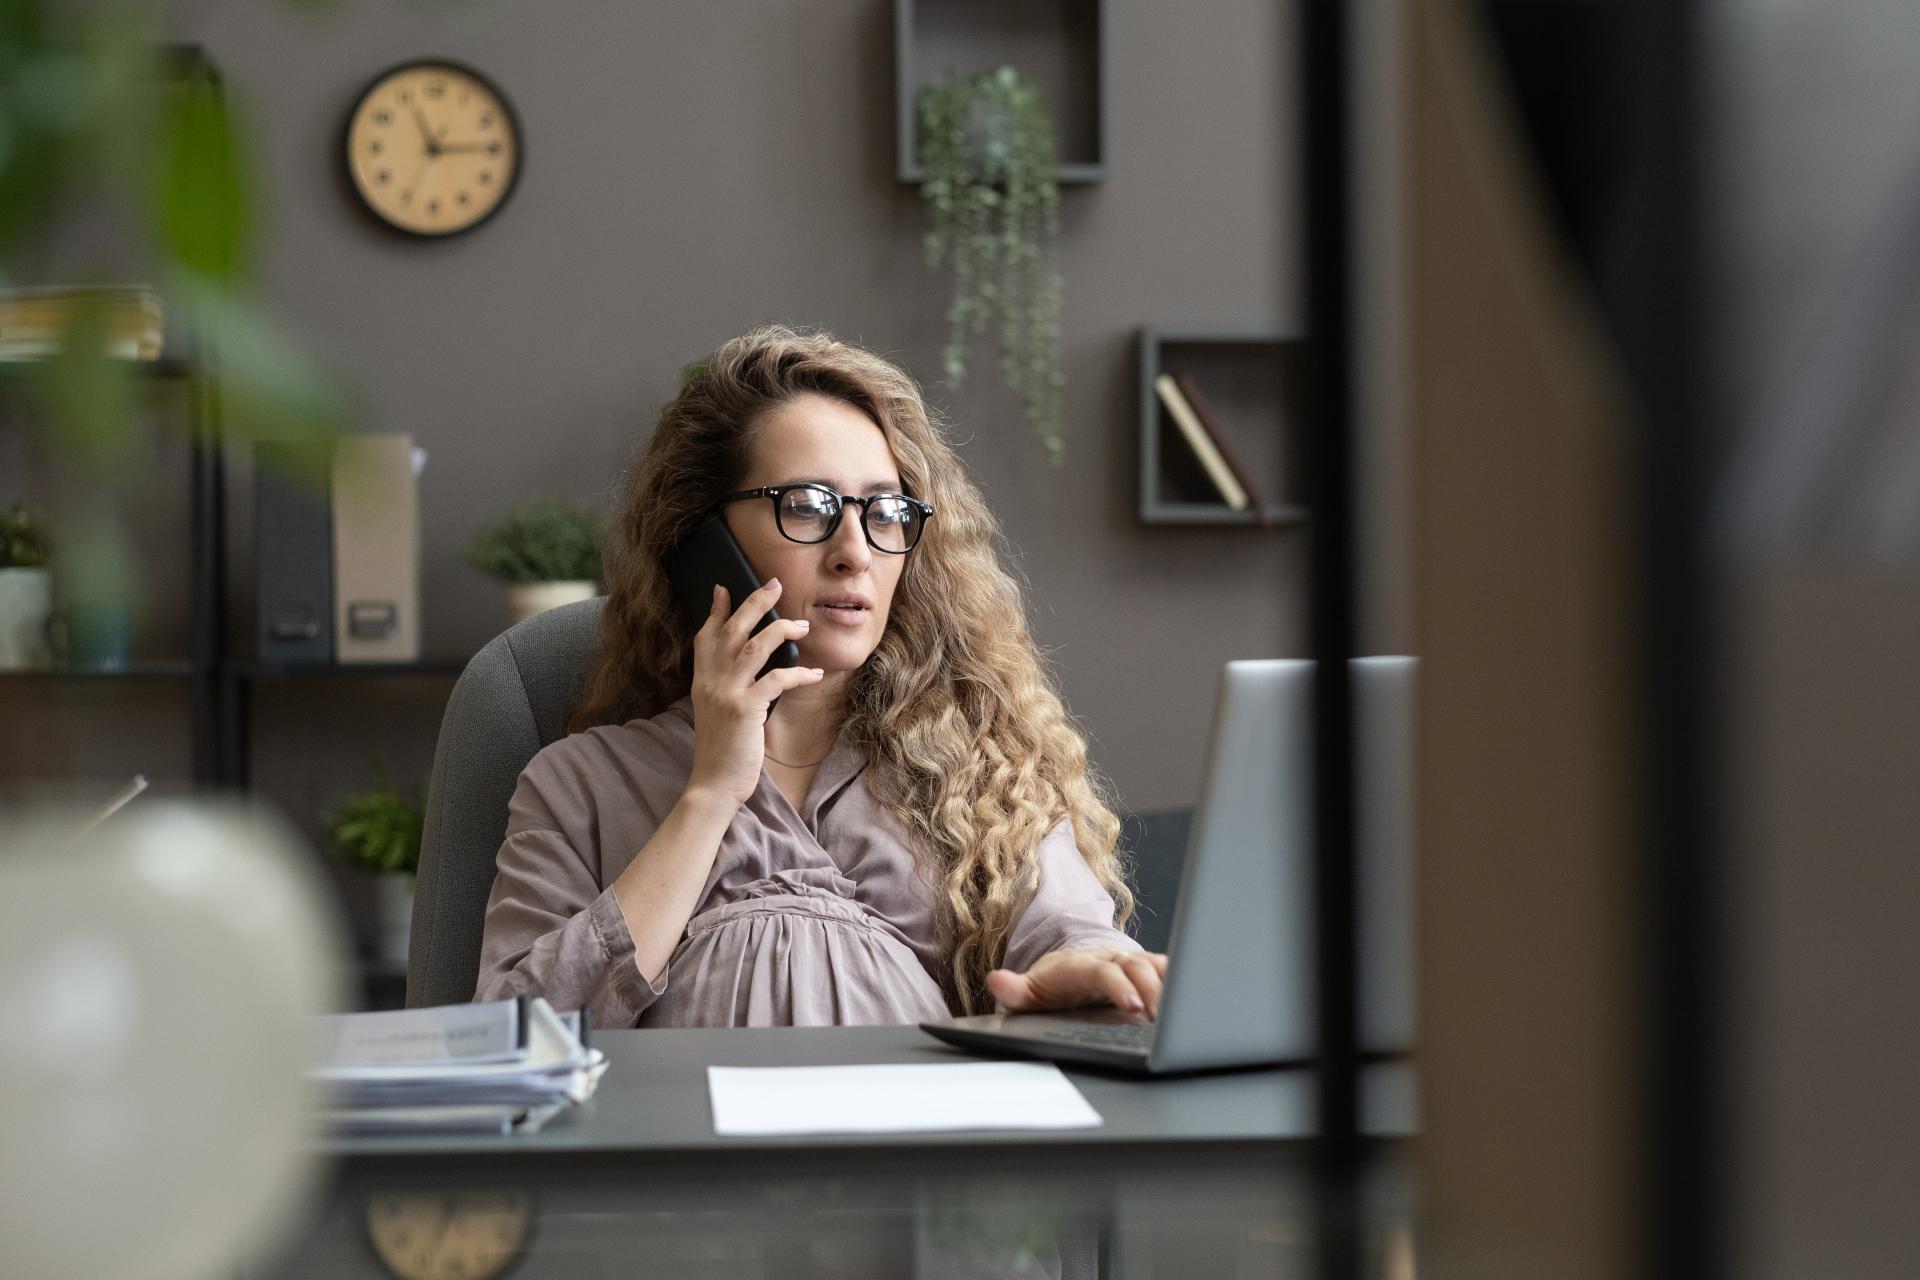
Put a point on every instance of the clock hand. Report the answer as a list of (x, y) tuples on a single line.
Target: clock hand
[(426, 134), (419, 173), (446, 1224), (452, 148)]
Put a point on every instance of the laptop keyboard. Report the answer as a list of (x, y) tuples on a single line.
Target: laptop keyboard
[(1134, 1036)]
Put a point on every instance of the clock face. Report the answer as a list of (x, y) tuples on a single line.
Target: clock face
[(433, 148), (460, 1236)]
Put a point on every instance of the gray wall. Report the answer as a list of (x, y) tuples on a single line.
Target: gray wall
[(1819, 109), (695, 168)]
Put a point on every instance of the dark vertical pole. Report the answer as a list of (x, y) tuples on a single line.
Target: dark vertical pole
[(212, 759), (1612, 93), (209, 596), (236, 720), (1664, 333), (1326, 270)]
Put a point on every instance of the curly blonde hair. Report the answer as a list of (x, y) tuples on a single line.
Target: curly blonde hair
[(974, 750)]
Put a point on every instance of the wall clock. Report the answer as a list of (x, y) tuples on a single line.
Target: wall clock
[(433, 148)]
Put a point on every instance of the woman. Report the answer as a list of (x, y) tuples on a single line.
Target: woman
[(911, 830)]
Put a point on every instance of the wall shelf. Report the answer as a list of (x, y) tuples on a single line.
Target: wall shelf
[(165, 368), (1062, 45), (133, 671), (1250, 381), (426, 668)]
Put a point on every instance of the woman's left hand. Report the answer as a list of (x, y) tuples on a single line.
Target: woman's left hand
[(1128, 980)]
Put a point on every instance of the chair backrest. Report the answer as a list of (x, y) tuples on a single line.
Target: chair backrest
[(511, 701), (1157, 843)]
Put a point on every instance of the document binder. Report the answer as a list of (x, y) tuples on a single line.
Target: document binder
[(498, 1066), (293, 551), (376, 549)]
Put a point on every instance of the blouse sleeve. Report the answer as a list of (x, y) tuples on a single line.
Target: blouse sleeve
[(1069, 909), (550, 929)]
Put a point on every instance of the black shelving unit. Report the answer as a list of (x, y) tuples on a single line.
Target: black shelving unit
[(239, 679), (218, 683), (191, 366), (200, 670), (132, 673)]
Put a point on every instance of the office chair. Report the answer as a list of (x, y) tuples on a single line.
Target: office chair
[(511, 701), (1158, 845)]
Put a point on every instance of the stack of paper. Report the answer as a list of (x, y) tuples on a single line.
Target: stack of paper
[(499, 1067), (34, 322)]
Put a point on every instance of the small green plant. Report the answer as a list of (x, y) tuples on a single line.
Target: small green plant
[(379, 830), (540, 540), (25, 540), (987, 148)]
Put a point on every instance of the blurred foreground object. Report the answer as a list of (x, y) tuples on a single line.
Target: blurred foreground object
[(1828, 467), (158, 974)]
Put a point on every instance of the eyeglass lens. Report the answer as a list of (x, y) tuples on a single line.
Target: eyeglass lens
[(808, 514)]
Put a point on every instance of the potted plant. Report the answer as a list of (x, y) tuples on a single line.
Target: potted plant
[(987, 149), (546, 551), (378, 832), (26, 588)]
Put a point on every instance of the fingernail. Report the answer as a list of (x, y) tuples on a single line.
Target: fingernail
[(804, 624), (774, 583), (819, 671), (1135, 1006)]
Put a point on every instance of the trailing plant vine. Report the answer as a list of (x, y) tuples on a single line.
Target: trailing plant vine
[(987, 148)]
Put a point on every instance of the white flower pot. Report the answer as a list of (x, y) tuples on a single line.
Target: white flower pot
[(528, 598), (393, 916), (26, 604)]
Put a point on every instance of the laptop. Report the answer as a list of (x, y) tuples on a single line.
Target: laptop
[(1239, 986)]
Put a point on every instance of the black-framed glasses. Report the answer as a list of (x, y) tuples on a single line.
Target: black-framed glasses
[(810, 513)]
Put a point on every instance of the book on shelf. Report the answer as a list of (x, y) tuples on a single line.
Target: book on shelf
[(1211, 425), (34, 322), (1201, 442)]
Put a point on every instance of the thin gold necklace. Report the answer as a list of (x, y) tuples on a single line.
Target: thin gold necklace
[(777, 760)]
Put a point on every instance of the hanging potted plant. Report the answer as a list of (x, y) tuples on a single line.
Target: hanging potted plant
[(987, 148), (547, 553), (378, 831), (26, 588)]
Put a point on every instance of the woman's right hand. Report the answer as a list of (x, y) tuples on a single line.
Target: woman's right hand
[(729, 705)]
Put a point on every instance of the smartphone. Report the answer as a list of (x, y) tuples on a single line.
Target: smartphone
[(710, 555)]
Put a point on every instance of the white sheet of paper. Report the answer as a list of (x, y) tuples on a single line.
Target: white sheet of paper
[(895, 1098)]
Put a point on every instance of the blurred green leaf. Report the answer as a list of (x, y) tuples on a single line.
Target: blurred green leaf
[(121, 87), (267, 388), (95, 559), (34, 147), (201, 198), (87, 395)]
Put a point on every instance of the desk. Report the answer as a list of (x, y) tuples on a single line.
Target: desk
[(1196, 1177)]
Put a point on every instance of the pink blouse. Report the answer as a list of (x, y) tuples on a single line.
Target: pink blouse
[(815, 917)]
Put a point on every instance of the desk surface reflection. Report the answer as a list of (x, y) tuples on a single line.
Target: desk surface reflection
[(1198, 1176)]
